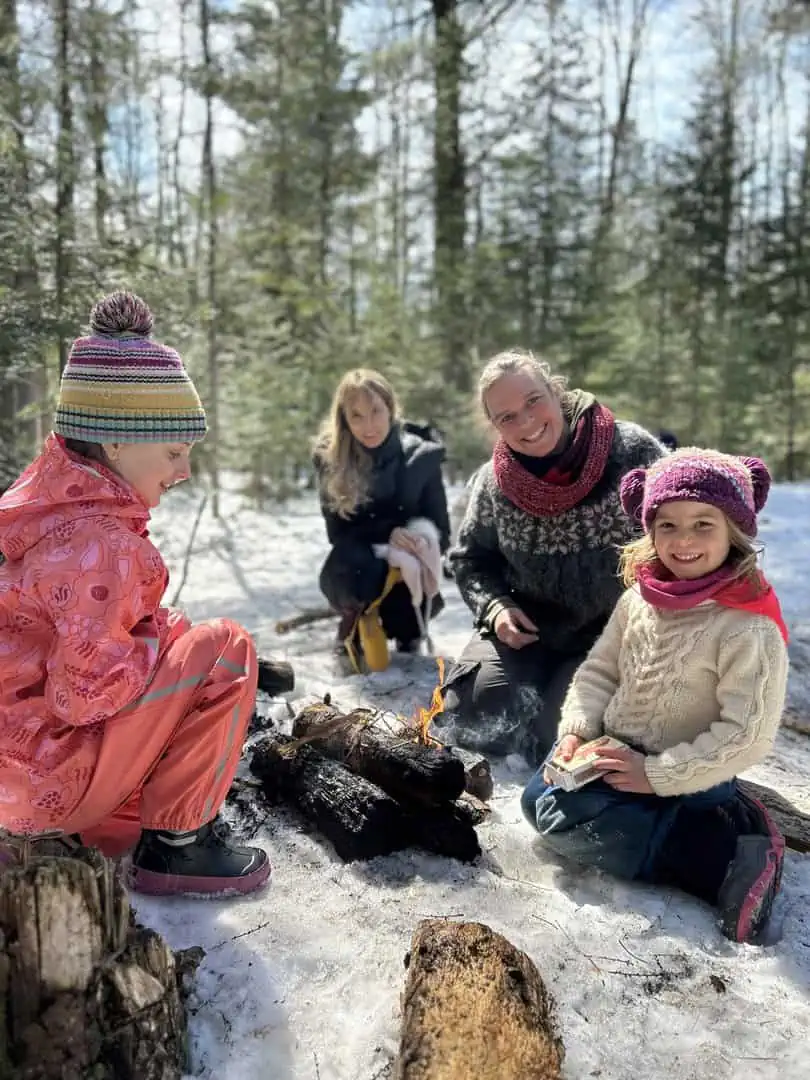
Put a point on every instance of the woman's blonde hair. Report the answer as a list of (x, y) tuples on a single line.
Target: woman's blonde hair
[(742, 556), (511, 362), (346, 463)]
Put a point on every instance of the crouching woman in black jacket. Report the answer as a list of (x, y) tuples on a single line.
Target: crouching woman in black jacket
[(380, 484)]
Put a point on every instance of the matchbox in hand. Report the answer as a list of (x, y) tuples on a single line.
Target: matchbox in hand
[(579, 770)]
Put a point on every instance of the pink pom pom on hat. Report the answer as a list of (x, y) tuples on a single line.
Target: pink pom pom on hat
[(737, 486)]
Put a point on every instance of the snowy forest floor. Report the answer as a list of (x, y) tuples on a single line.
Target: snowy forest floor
[(303, 981)]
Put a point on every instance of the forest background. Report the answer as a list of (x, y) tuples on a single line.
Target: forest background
[(304, 186)]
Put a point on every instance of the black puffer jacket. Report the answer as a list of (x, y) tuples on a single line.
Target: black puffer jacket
[(406, 482)]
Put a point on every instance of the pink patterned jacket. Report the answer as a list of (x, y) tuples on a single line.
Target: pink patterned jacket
[(81, 627)]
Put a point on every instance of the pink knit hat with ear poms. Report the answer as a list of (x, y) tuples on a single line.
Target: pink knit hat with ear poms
[(737, 486)]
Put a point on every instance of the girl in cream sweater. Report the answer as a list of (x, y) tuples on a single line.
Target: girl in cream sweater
[(690, 673)]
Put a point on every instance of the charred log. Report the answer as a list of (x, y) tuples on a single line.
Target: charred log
[(359, 819), (477, 773), (410, 772), (447, 830)]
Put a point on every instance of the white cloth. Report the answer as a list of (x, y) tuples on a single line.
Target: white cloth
[(421, 572)]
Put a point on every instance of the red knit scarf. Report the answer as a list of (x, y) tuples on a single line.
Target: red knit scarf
[(720, 586), (582, 464)]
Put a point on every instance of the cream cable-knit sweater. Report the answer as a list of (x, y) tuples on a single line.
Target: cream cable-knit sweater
[(700, 691)]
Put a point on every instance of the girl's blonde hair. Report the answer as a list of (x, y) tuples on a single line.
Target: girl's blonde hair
[(511, 362), (742, 556), (346, 463)]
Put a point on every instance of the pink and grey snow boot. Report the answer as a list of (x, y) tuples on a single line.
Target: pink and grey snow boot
[(754, 875), (729, 855), (198, 863)]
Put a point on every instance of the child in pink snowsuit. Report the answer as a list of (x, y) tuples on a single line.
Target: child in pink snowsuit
[(110, 704)]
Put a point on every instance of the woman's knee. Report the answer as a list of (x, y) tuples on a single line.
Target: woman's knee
[(472, 693), (477, 681)]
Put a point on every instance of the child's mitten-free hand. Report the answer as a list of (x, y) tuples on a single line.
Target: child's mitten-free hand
[(623, 770), (568, 746)]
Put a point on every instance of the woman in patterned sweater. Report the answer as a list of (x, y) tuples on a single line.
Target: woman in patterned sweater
[(536, 559)]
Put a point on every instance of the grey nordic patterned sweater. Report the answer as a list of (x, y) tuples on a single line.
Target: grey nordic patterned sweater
[(562, 571)]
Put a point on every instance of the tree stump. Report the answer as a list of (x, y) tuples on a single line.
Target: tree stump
[(474, 1008), (85, 994)]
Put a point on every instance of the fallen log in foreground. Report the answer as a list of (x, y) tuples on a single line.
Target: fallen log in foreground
[(474, 1007), (792, 823), (83, 991), (411, 773), (360, 819)]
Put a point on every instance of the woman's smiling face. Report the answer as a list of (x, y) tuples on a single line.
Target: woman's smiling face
[(527, 413)]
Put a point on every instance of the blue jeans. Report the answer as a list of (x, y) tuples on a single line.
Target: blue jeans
[(618, 832)]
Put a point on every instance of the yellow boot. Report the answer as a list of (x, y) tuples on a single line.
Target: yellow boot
[(367, 644), (373, 642)]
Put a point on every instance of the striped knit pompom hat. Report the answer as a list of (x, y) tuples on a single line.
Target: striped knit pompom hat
[(120, 386)]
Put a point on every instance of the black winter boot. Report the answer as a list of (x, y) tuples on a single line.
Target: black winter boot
[(197, 862)]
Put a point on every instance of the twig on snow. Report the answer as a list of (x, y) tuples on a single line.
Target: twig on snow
[(564, 932), (236, 937), (187, 556), (638, 959)]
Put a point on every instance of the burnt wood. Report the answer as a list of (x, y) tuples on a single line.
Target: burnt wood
[(360, 820), (412, 773), (356, 816)]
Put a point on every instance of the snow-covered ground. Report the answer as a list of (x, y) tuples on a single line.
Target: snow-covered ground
[(303, 982)]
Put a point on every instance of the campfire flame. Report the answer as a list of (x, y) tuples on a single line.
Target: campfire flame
[(424, 717)]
